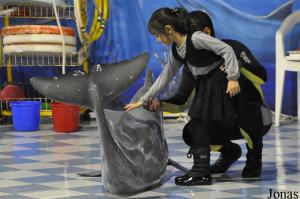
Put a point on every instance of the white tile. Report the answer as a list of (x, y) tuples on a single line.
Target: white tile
[(219, 186), (68, 149), (11, 183), (148, 194), (33, 133), (53, 157), (19, 174), (279, 158), (57, 193), (263, 196), (19, 141), (10, 148), (109, 195), (172, 140), (295, 176), (81, 141), (71, 184), (34, 166), (4, 156), (208, 194), (288, 187), (269, 150), (4, 194), (95, 166), (75, 176)]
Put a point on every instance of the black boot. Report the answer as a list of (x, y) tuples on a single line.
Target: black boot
[(200, 173), (254, 161), (230, 152)]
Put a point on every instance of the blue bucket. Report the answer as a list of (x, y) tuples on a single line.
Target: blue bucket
[(26, 115)]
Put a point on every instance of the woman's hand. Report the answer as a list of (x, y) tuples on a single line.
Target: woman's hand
[(233, 88), (153, 105), (134, 105), (222, 68)]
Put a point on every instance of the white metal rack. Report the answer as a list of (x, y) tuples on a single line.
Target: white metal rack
[(37, 11), (40, 11), (40, 60)]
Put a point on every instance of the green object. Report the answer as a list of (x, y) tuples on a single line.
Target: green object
[(247, 138), (45, 106)]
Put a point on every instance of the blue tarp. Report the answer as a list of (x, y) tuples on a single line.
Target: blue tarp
[(127, 31)]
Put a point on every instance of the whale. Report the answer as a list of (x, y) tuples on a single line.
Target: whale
[(133, 148)]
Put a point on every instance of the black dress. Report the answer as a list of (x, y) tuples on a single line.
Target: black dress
[(211, 101), (227, 114)]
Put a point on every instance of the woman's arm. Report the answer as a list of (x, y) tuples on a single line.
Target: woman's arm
[(184, 90), (201, 40), (177, 103), (163, 79), (249, 62)]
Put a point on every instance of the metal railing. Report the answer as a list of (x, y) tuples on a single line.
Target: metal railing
[(17, 59), (39, 11)]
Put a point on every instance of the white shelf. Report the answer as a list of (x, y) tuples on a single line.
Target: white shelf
[(40, 11), (293, 57)]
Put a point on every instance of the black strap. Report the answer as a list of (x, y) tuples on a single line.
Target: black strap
[(176, 56)]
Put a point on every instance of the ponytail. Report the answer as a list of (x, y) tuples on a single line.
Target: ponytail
[(198, 20)]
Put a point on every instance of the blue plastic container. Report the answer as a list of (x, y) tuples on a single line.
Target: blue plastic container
[(26, 115)]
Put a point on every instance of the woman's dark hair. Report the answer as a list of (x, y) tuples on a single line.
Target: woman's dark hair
[(198, 20), (177, 18)]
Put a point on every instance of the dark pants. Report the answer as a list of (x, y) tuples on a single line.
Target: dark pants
[(196, 133), (199, 133)]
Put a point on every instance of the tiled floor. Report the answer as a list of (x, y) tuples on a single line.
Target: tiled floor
[(45, 164)]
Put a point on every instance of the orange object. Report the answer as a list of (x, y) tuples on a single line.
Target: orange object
[(65, 117), (10, 92), (35, 29), (21, 13)]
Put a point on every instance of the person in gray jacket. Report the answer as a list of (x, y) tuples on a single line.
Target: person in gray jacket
[(202, 55), (253, 118)]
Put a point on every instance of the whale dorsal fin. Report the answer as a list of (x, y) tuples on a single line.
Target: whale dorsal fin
[(149, 79), (281, 12), (278, 14)]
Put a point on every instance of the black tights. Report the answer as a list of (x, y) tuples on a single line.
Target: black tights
[(196, 133)]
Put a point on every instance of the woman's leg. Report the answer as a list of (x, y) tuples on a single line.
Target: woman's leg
[(200, 150), (251, 124), (223, 133)]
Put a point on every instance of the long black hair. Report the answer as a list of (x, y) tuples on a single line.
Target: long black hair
[(198, 20), (177, 18)]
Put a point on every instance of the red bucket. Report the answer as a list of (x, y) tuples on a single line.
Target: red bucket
[(65, 117)]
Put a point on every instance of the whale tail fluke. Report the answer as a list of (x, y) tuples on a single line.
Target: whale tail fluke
[(67, 88), (108, 82)]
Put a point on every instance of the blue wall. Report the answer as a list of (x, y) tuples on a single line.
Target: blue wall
[(126, 36)]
